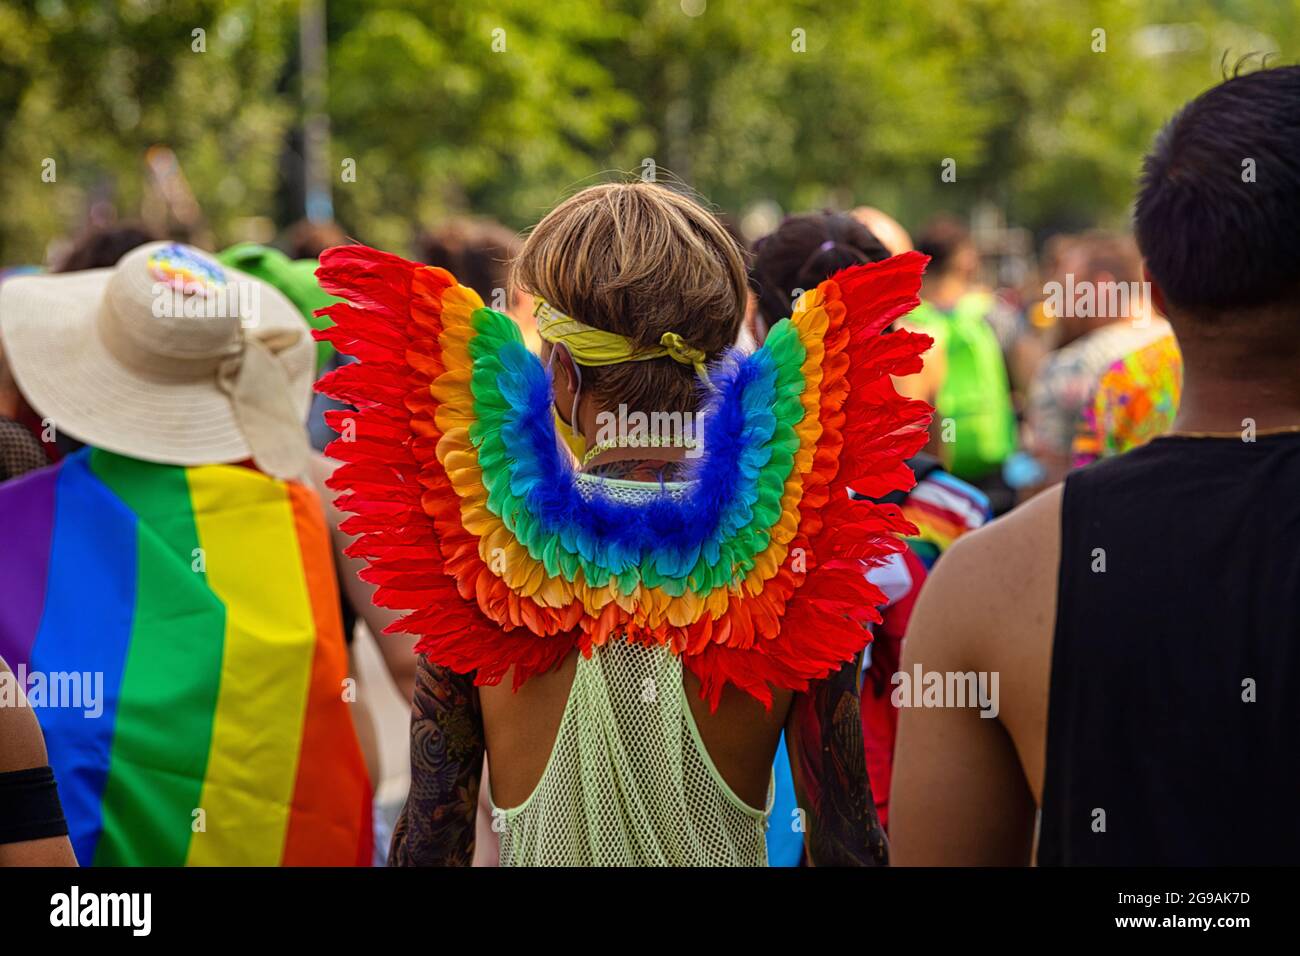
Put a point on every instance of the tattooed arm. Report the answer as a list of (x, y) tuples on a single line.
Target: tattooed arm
[(436, 826), (828, 761)]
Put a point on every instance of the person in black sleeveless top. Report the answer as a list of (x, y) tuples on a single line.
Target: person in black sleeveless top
[(1139, 626)]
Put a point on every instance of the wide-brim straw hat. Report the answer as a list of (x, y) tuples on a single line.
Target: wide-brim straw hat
[(167, 357)]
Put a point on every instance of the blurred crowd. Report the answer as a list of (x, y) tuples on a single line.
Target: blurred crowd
[(1029, 380)]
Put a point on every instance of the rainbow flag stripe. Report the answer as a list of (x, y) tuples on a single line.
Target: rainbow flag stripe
[(206, 599), (943, 508)]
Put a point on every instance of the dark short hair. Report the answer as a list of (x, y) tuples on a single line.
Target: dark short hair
[(805, 251), (941, 238), (99, 247), (306, 239), (1213, 241), (478, 252)]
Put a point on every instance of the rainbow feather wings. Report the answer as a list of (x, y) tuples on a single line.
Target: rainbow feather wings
[(471, 517)]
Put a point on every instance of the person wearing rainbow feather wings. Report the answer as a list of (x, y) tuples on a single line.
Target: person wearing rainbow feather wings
[(626, 640)]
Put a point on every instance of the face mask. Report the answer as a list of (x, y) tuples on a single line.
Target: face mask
[(575, 442)]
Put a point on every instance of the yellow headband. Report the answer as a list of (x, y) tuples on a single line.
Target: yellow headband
[(593, 347)]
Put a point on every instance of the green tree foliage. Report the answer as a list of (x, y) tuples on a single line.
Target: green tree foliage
[(92, 86), (502, 107)]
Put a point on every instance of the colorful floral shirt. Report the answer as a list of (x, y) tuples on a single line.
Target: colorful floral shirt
[(1067, 380), (1136, 400)]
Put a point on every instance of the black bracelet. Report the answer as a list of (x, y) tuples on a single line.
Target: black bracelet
[(29, 806)]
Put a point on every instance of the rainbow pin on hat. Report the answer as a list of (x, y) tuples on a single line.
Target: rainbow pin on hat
[(168, 357)]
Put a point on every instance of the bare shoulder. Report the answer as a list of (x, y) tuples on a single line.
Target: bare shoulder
[(990, 607), (995, 588), (21, 743), (1029, 525)]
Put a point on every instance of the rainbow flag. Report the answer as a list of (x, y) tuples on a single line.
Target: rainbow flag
[(179, 634), (943, 508)]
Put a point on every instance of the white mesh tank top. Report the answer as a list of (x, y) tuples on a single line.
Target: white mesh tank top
[(629, 782)]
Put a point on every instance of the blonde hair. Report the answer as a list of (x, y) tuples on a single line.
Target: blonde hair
[(640, 260)]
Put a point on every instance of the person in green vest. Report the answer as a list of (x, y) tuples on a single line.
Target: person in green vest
[(965, 376)]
